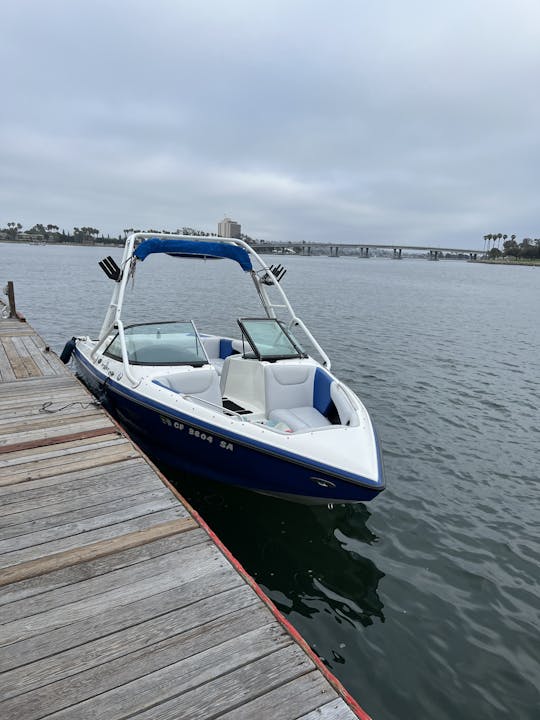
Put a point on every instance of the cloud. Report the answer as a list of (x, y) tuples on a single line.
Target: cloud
[(364, 121)]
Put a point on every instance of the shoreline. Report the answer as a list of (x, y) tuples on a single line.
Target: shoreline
[(523, 263)]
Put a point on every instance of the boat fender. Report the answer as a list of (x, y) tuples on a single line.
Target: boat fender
[(67, 352)]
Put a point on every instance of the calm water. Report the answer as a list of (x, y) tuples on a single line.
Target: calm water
[(425, 602)]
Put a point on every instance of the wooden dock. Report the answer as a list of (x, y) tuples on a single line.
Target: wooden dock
[(116, 600)]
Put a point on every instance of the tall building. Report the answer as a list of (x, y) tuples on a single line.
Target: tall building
[(229, 228)]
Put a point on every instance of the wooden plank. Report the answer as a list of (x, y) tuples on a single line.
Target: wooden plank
[(266, 645), (44, 420), (18, 404), (199, 561), (29, 344), (24, 460), (15, 523), (72, 542), (8, 324), (39, 430), (81, 481), (143, 648), (29, 387), (44, 441), (220, 688), (119, 617), (28, 528), (153, 503), (35, 352), (106, 439), (30, 366), (289, 700), (335, 710), (70, 574), (34, 389), (21, 409), (48, 362), (93, 492), (34, 488), (15, 408), (20, 332), (81, 588), (34, 401), (6, 371), (42, 430), (93, 550), (56, 465), (56, 439), (17, 365)]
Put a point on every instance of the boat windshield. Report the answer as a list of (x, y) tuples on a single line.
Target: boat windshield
[(168, 343), (269, 339)]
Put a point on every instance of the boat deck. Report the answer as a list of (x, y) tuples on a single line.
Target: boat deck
[(116, 601)]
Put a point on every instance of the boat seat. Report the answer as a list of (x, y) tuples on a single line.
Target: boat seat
[(288, 389), (201, 383), (301, 396), (300, 418), (288, 385)]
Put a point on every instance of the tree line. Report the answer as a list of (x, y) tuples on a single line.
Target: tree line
[(527, 249), (52, 233)]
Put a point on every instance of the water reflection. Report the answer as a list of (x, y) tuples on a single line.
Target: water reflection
[(308, 559)]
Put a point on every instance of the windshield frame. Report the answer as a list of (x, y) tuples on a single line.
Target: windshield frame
[(261, 355)]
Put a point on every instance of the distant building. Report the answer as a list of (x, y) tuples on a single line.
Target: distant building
[(229, 228)]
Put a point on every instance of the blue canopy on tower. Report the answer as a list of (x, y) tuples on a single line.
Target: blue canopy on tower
[(194, 248)]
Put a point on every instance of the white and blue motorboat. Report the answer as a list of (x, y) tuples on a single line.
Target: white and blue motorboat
[(255, 411)]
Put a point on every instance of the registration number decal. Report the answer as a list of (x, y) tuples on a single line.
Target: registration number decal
[(194, 432)]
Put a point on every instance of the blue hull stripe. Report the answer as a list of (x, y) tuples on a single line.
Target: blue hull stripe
[(256, 445)]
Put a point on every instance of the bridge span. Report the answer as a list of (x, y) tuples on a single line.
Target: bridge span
[(335, 249)]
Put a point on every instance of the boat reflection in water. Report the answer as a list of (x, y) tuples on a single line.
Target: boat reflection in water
[(313, 562)]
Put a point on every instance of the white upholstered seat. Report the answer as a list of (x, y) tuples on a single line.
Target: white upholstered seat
[(288, 389), (288, 385), (300, 418), (201, 383)]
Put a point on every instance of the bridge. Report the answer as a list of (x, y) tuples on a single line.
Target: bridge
[(362, 249)]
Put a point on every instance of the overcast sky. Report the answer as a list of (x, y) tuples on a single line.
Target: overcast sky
[(353, 120)]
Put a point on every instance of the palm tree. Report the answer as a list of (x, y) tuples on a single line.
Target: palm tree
[(14, 229)]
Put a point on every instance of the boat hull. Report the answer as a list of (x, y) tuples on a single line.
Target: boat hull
[(188, 444)]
